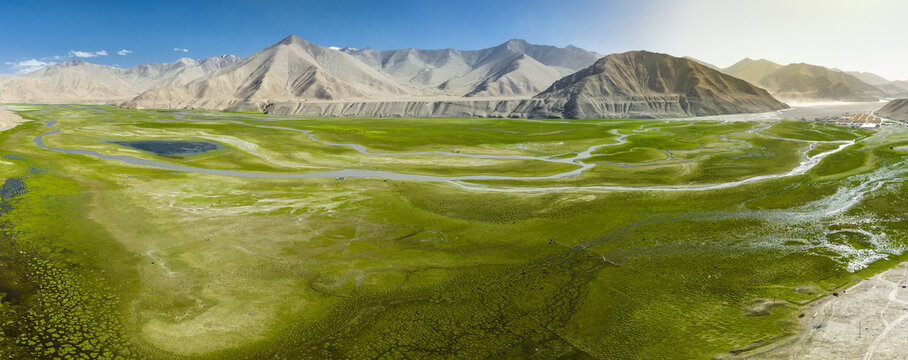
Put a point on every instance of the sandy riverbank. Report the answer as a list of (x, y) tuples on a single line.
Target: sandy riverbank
[(9, 120), (866, 321)]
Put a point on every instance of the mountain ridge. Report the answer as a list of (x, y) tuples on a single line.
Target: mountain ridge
[(478, 72), (896, 110), (311, 72), (801, 82), (79, 81), (806, 82), (289, 69), (648, 84)]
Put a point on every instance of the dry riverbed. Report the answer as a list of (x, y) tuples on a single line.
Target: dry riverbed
[(866, 321)]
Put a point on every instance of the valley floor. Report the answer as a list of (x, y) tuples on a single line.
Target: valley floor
[(208, 235)]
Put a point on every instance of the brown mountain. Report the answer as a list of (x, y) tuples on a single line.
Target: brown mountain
[(894, 89), (753, 71), (896, 110), (805, 82), (869, 77), (704, 63), (646, 84)]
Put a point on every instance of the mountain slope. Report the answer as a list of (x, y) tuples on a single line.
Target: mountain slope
[(522, 75), (903, 84), (753, 71), (646, 84), (805, 82), (895, 110), (890, 88), (181, 72), (704, 63), (72, 81), (893, 90), (292, 69), (77, 81), (514, 68), (870, 78)]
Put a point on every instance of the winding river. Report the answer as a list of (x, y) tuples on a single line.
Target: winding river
[(807, 163)]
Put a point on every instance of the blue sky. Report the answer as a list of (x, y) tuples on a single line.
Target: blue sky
[(51, 31), (851, 35)]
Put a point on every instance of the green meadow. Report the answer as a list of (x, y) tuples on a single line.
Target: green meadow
[(653, 245)]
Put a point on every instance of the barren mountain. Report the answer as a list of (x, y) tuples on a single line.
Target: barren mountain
[(180, 72), (77, 81), (646, 84), (890, 88), (753, 71), (514, 68), (903, 84), (73, 81), (704, 63), (290, 70), (804, 82), (868, 77), (893, 90), (296, 77), (895, 109)]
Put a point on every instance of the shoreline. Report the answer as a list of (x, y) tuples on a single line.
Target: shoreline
[(9, 119)]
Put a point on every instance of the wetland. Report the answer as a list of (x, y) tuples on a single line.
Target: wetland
[(207, 235)]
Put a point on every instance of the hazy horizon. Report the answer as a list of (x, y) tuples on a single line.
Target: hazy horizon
[(846, 35)]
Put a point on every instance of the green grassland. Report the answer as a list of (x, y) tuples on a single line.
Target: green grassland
[(105, 259)]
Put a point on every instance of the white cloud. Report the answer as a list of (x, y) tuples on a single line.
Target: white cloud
[(82, 54), (27, 66), (181, 49), (334, 48), (87, 54), (124, 52)]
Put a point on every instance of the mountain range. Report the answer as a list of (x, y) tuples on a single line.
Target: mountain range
[(514, 68), (647, 84), (513, 79), (891, 88), (294, 69), (805, 82), (77, 81), (294, 76)]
